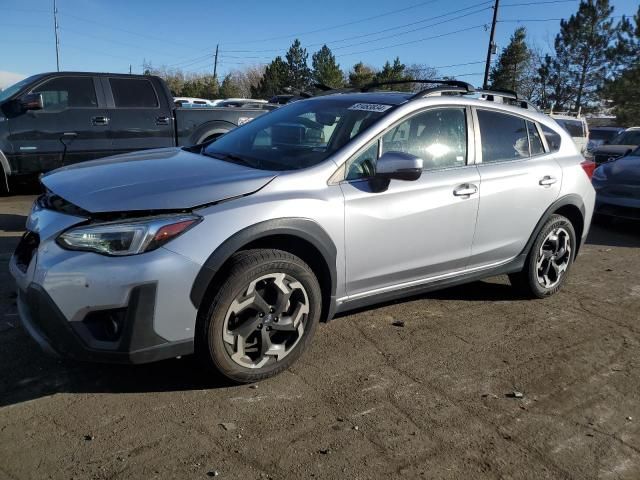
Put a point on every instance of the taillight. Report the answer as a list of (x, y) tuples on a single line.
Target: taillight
[(588, 166)]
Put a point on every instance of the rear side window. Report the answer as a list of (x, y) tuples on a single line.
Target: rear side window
[(133, 93), (573, 127), (553, 138), (504, 137), (535, 142), (67, 92)]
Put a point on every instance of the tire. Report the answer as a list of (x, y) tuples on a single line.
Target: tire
[(4, 184), (548, 255), (602, 220), (230, 337)]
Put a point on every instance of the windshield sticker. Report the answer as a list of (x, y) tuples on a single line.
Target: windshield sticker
[(370, 107)]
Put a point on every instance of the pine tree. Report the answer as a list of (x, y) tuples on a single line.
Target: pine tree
[(391, 72), (512, 71), (274, 80), (624, 91), (361, 75), (230, 88), (299, 72), (325, 69), (584, 54)]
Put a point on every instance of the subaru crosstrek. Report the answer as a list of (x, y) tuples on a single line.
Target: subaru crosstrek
[(237, 249)]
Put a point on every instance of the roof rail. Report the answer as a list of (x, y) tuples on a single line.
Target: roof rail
[(453, 83), (504, 94)]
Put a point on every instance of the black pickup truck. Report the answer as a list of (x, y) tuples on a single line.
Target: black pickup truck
[(55, 119)]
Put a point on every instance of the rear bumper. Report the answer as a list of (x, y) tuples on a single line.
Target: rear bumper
[(618, 207), (138, 342)]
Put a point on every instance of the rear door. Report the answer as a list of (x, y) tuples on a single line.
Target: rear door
[(64, 130), (519, 180), (138, 115)]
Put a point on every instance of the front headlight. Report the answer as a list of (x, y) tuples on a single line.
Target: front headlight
[(127, 238)]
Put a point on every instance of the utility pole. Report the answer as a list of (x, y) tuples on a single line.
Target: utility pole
[(215, 63), (491, 46), (55, 30), (129, 69)]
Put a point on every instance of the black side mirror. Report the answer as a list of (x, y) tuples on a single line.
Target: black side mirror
[(399, 166), (31, 101)]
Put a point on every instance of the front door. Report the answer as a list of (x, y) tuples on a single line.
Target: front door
[(412, 231), (519, 179), (62, 132)]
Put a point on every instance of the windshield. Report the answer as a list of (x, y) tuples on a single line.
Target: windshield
[(15, 88), (602, 134), (574, 127), (631, 137), (298, 135)]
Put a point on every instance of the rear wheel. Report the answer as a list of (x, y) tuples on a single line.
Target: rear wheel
[(549, 260), (262, 318)]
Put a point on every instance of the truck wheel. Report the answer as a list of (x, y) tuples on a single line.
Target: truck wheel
[(4, 184), (262, 318), (549, 260)]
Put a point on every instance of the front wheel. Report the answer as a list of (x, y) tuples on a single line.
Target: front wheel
[(263, 316), (549, 260)]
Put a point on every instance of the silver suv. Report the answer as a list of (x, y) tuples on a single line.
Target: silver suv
[(237, 249)]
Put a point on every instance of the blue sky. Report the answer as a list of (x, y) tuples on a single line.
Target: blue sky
[(110, 35)]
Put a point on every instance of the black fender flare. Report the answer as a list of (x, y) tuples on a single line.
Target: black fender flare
[(211, 128), (303, 228), (5, 171), (570, 199)]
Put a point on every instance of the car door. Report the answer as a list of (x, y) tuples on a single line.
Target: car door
[(411, 231), (519, 180), (63, 130), (138, 118)]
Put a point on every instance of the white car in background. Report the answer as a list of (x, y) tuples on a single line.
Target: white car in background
[(576, 126), (192, 102)]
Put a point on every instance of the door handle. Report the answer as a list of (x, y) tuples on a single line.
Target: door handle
[(465, 190), (162, 120), (547, 181), (99, 121)]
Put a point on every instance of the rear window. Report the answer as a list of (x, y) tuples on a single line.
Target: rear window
[(574, 127), (133, 93), (602, 134)]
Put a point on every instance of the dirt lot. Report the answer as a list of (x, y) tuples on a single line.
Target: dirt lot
[(370, 400)]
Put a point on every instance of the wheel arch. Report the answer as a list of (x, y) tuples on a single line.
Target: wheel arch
[(570, 206), (299, 236), (5, 171), (206, 130)]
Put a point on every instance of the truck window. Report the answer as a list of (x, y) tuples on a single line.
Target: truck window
[(67, 92), (133, 93)]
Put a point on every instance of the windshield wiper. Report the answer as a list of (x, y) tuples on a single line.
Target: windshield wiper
[(230, 157)]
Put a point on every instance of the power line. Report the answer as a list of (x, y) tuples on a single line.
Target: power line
[(537, 3), (333, 27), (412, 41)]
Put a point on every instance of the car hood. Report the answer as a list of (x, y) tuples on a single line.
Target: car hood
[(625, 170), (161, 179), (613, 149)]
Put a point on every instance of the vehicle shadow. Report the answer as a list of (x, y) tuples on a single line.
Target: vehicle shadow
[(26, 373), (619, 233)]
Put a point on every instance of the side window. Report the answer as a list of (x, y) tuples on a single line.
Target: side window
[(133, 93), (504, 137), (535, 141), (362, 165), (553, 139), (438, 136), (68, 92)]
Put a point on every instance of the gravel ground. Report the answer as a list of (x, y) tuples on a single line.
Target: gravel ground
[(430, 399)]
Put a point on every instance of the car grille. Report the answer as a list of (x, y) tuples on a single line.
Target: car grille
[(26, 249)]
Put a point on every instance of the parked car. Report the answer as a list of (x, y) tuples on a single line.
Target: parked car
[(617, 185), (600, 135), (194, 102), (576, 126), (623, 144), (55, 119), (236, 250)]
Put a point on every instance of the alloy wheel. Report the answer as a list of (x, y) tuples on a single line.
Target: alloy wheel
[(554, 257), (266, 321)]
